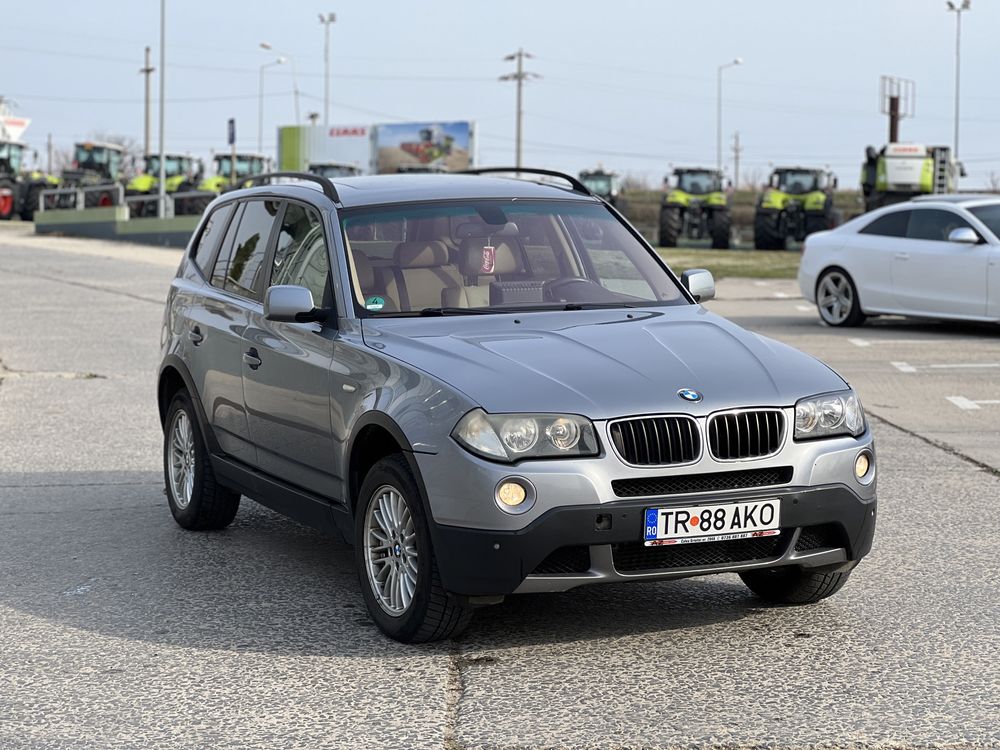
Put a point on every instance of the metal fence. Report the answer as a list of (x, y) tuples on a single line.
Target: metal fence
[(190, 203)]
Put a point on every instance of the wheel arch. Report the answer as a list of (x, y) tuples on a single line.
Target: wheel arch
[(375, 436), (174, 377)]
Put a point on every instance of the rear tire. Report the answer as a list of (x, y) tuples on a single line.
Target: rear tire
[(395, 559), (767, 234), (8, 199), (721, 228), (196, 499), (793, 585), (837, 299), (30, 205), (671, 223)]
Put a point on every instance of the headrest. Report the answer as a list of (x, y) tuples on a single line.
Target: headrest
[(421, 254), (364, 270), (475, 260)]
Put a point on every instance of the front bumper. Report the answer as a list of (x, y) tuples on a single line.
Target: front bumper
[(828, 526)]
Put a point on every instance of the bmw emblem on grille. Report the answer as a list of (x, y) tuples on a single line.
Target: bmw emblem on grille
[(689, 394)]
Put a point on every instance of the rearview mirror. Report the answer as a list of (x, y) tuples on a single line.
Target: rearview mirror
[(964, 236), (700, 283), (289, 304)]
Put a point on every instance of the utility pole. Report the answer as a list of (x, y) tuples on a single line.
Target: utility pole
[(718, 111), (737, 150), (520, 76), (147, 70), (326, 19), (48, 149), (161, 200), (958, 10)]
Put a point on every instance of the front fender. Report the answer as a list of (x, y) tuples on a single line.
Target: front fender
[(774, 200)]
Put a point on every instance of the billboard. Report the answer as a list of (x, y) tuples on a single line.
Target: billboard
[(300, 145), (446, 145)]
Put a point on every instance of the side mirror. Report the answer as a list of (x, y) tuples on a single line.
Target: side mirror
[(290, 304), (964, 236), (700, 283)]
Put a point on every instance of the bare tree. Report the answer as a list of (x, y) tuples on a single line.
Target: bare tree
[(994, 180), (632, 182), (752, 179)]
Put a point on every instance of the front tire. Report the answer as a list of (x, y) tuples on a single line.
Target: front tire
[(767, 231), (721, 228), (793, 585), (837, 299), (395, 559), (197, 501), (671, 223)]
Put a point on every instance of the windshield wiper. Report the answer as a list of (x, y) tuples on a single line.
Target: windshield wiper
[(439, 311)]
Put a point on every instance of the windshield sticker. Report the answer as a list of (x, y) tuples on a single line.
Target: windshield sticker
[(374, 303), (489, 259)]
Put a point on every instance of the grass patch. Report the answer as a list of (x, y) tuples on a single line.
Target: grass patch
[(754, 264)]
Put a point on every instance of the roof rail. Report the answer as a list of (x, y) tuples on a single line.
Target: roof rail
[(328, 189), (573, 181)]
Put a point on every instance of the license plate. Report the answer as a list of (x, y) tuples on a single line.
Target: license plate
[(712, 523)]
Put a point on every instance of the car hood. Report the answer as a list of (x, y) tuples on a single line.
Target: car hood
[(603, 363)]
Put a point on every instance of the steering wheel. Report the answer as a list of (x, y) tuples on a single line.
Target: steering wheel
[(553, 287)]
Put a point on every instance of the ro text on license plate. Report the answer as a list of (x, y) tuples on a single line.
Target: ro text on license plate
[(712, 523)]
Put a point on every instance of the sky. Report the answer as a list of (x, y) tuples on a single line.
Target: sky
[(629, 85)]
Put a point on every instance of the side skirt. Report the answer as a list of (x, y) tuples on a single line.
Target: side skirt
[(298, 504)]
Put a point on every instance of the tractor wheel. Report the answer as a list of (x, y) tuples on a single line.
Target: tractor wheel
[(30, 204), (671, 222), (8, 199), (767, 233), (721, 228)]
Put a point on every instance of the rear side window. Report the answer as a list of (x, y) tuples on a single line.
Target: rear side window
[(226, 253), (934, 224), (300, 256), (250, 247), (211, 236), (889, 225)]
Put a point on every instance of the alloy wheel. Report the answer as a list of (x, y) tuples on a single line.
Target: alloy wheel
[(182, 460), (835, 298), (390, 539)]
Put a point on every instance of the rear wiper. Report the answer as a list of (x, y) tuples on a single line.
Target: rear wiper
[(439, 311)]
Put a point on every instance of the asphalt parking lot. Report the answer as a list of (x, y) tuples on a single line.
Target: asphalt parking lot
[(119, 630)]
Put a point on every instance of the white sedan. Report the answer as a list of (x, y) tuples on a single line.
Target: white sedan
[(933, 257)]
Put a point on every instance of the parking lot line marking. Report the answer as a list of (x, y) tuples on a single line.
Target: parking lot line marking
[(804, 308), (906, 342), (969, 405), (907, 367), (782, 295), (903, 366), (860, 342)]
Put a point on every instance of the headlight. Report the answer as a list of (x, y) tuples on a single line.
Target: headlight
[(514, 437), (829, 415)]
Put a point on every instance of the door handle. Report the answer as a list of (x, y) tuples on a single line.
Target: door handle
[(902, 256), (251, 359), (196, 335)]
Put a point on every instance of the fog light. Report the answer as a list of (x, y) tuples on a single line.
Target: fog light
[(861, 465), (511, 494)]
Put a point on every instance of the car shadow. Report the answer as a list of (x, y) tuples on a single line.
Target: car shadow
[(99, 552)]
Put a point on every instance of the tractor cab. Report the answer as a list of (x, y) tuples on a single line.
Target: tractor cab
[(181, 172), (332, 170), (245, 166), (11, 158), (95, 163), (603, 184), (698, 181), (799, 181)]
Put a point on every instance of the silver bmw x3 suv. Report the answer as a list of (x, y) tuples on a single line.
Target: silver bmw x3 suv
[(492, 385)]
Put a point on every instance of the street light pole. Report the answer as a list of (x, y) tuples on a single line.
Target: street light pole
[(326, 19), (295, 75), (161, 198), (958, 10), (520, 76), (718, 112), (260, 103)]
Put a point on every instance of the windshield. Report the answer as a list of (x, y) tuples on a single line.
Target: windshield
[(598, 184), (11, 154), (698, 183), (98, 158), (797, 181), (245, 166), (172, 165), (496, 255), (989, 215)]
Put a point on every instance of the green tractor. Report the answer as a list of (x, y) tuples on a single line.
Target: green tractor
[(605, 185), (19, 189), (246, 166), (797, 202), (181, 175), (696, 206)]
